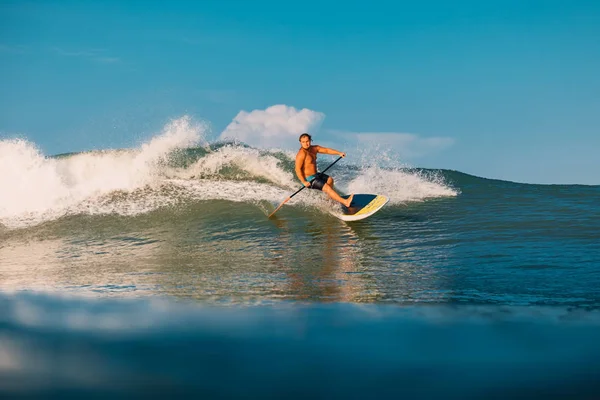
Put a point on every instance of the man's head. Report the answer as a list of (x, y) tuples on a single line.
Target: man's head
[(305, 140)]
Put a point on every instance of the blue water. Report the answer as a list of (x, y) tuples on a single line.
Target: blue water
[(177, 283), (71, 348)]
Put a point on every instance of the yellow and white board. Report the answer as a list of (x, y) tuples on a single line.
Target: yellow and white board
[(363, 206)]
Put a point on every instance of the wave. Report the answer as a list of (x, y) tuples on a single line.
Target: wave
[(176, 166)]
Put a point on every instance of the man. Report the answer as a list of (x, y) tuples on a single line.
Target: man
[(306, 169)]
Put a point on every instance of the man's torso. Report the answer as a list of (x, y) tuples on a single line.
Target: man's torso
[(309, 167)]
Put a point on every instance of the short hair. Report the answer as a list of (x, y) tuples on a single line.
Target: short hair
[(305, 135)]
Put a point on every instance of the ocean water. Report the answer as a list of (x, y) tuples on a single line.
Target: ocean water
[(156, 270)]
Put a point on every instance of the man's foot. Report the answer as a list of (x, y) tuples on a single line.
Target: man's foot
[(348, 201)]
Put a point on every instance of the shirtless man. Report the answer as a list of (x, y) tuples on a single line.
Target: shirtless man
[(306, 169)]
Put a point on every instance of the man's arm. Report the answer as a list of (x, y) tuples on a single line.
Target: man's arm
[(299, 172), (326, 150)]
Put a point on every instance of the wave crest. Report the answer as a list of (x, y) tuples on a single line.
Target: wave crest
[(170, 169)]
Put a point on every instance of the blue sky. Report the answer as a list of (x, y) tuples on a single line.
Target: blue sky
[(500, 89)]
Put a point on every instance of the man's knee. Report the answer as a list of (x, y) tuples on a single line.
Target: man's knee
[(330, 181)]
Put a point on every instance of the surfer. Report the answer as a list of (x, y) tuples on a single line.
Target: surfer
[(306, 169)]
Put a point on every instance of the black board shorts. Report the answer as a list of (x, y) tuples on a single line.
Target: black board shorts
[(320, 179)]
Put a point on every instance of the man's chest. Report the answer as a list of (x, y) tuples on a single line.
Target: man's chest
[(311, 157)]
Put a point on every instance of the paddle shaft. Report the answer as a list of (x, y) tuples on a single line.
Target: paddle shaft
[(299, 190)]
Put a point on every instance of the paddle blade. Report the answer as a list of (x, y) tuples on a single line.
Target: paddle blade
[(281, 205)]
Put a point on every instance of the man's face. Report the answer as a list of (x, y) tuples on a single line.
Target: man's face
[(305, 142)]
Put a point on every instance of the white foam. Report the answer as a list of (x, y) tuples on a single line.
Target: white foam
[(37, 189), (383, 172), (398, 185), (253, 161)]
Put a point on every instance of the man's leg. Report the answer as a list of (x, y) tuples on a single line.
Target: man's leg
[(333, 194)]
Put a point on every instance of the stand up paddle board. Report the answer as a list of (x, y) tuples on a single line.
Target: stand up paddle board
[(363, 206)]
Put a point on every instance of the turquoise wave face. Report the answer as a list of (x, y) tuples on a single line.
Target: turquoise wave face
[(494, 263), (160, 174), (193, 223), (494, 243)]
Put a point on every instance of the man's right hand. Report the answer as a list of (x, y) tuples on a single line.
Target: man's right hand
[(306, 183)]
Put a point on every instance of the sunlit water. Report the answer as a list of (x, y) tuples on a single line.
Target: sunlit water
[(156, 271)]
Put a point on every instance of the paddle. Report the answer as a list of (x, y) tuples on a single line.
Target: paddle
[(299, 190)]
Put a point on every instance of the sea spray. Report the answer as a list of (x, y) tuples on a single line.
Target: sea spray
[(36, 188), (250, 163), (382, 171), (170, 170)]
